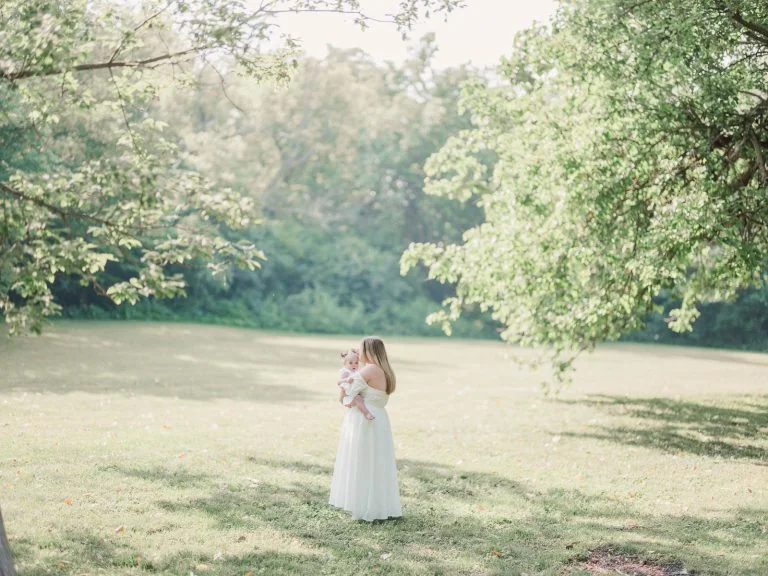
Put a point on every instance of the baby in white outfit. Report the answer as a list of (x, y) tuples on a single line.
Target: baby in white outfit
[(352, 382)]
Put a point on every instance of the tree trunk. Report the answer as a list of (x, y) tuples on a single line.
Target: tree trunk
[(6, 562)]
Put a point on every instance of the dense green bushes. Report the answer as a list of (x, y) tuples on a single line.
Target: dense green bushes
[(742, 324), (311, 283)]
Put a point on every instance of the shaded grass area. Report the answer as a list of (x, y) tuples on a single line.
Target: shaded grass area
[(558, 528), (680, 426), (178, 450)]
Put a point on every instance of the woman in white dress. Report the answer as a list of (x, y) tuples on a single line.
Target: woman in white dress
[(365, 474)]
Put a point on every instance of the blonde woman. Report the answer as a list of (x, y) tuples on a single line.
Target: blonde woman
[(365, 474)]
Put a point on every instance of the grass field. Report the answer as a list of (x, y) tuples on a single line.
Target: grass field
[(180, 449)]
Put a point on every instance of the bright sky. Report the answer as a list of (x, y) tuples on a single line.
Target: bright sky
[(480, 33)]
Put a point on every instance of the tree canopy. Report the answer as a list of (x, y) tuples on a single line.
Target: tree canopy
[(620, 155), (88, 176), (333, 165), (611, 172)]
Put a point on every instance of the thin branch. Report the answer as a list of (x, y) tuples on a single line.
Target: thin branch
[(66, 213), (754, 95), (759, 30), (747, 57), (125, 115), (137, 28), (8, 252), (758, 155), (53, 208), (112, 63), (635, 6), (104, 65), (357, 13), (224, 87), (753, 26), (168, 48)]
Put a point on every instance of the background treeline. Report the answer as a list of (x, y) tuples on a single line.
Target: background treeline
[(742, 324), (334, 160)]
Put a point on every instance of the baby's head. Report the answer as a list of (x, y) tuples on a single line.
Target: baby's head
[(351, 359)]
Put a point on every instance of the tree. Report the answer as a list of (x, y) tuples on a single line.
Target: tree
[(6, 561), (621, 154), (78, 79), (343, 143)]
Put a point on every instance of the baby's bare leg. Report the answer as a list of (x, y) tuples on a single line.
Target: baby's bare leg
[(360, 403)]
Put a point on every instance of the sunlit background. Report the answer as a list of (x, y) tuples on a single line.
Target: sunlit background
[(564, 256), (479, 33)]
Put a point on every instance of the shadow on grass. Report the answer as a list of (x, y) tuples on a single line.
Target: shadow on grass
[(68, 553), (455, 522), (680, 426), (177, 361), (203, 363), (164, 376), (683, 350), (180, 478), (451, 526)]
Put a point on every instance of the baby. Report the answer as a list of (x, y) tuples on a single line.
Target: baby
[(352, 383)]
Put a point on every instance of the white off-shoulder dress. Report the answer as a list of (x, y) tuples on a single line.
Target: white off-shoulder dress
[(365, 473)]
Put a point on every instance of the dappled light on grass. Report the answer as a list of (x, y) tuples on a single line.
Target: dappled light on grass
[(734, 431), (556, 527), (154, 361), (210, 450)]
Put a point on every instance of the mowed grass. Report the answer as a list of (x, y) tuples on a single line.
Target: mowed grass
[(181, 449)]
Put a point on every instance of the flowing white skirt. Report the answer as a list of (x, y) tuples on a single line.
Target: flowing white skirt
[(365, 474)]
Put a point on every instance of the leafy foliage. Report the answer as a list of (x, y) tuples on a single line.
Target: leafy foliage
[(622, 155), (334, 163), (89, 177)]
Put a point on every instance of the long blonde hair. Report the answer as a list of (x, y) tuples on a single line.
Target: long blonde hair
[(372, 350)]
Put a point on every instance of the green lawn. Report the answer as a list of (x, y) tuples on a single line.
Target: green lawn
[(180, 449)]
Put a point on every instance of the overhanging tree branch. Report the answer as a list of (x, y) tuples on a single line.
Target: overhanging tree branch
[(735, 15), (109, 65), (139, 27), (359, 15), (65, 214)]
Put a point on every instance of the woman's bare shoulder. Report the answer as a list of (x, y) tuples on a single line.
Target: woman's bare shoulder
[(374, 376), (371, 371)]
